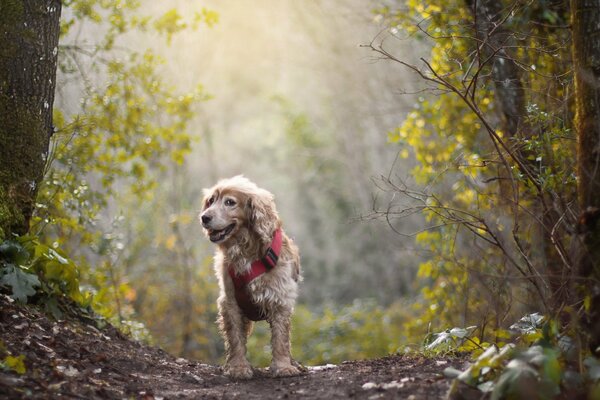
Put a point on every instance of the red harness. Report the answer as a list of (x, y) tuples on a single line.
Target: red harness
[(240, 282)]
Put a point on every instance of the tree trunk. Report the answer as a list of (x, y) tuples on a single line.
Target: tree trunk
[(29, 31), (586, 60)]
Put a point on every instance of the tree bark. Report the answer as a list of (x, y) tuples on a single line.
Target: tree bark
[(586, 59), (29, 31)]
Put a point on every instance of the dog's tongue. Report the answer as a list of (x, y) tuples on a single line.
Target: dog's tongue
[(217, 236)]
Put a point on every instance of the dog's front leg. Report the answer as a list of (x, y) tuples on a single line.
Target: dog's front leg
[(281, 365), (234, 329)]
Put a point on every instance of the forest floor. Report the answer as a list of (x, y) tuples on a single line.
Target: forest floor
[(73, 359)]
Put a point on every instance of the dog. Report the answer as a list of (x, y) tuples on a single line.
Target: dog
[(258, 268)]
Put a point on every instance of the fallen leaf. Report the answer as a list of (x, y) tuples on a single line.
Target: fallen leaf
[(68, 371), (392, 385), (16, 364), (56, 386)]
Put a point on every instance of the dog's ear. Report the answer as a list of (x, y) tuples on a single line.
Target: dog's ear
[(262, 214), (207, 193)]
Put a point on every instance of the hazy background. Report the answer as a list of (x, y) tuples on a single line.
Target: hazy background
[(300, 108), (270, 63)]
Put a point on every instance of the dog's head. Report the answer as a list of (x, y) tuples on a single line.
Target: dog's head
[(234, 204)]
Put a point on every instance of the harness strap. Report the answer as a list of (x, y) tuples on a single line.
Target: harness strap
[(257, 268)]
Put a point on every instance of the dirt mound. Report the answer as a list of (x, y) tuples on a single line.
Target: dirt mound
[(73, 359)]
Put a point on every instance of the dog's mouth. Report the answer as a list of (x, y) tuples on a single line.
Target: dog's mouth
[(217, 236)]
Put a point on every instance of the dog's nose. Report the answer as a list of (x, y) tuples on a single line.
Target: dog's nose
[(206, 219)]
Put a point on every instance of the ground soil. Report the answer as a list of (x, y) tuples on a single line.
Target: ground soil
[(73, 359)]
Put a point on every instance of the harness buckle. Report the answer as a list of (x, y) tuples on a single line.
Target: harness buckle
[(270, 259)]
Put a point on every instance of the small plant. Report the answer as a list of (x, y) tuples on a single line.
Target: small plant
[(34, 273), (541, 363), (15, 275), (455, 339)]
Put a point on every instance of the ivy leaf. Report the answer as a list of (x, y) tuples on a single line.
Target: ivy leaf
[(22, 284), (13, 252)]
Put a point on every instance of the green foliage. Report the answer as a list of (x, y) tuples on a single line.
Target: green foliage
[(110, 153), (451, 339), (123, 16), (447, 148), (359, 331), (29, 268), (173, 22), (39, 274), (487, 244), (509, 372), (174, 279)]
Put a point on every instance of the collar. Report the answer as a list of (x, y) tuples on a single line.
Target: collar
[(260, 266)]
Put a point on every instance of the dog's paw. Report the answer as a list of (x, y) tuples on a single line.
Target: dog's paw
[(239, 371), (284, 370)]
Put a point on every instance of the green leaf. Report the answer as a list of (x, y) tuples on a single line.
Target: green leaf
[(551, 366), (22, 284), (593, 368), (518, 379), (13, 252), (51, 305)]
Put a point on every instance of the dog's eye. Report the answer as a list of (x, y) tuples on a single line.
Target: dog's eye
[(229, 202), (210, 201)]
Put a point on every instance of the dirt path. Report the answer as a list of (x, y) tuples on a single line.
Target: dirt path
[(71, 359)]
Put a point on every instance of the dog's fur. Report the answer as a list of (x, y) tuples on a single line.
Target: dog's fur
[(241, 218)]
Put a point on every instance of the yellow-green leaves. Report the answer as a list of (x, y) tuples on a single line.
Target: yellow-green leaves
[(170, 23), (111, 152), (9, 362), (209, 17), (480, 204), (173, 22)]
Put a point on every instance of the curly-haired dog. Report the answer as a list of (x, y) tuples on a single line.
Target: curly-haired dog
[(258, 268)]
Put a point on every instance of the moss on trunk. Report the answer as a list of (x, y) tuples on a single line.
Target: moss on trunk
[(29, 32)]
